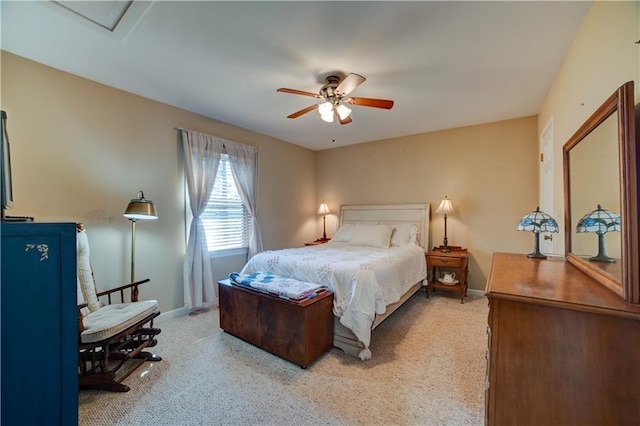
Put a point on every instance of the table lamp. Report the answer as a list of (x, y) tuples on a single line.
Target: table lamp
[(324, 211), (445, 208), (537, 222)]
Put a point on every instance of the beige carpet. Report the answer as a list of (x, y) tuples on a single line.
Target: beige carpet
[(428, 368)]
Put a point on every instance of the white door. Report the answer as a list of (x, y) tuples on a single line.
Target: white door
[(547, 241)]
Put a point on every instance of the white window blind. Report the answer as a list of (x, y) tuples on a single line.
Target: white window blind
[(225, 220)]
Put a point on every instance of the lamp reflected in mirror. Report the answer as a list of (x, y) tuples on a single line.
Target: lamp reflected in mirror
[(537, 222), (600, 221)]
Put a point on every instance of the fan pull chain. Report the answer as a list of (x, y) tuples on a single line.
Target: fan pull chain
[(333, 131)]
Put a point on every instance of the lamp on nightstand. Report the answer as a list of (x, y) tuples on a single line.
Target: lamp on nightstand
[(445, 208), (537, 222), (324, 210)]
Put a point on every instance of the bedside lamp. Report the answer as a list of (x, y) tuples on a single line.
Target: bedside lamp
[(138, 209), (537, 222), (600, 221), (445, 208), (324, 210)]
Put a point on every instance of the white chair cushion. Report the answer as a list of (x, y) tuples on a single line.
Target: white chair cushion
[(85, 275), (110, 320)]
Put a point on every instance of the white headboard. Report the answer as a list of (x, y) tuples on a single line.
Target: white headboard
[(392, 214)]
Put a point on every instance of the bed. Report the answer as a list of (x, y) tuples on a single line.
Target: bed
[(373, 264)]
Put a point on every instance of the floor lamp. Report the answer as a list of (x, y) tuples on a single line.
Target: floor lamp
[(138, 209)]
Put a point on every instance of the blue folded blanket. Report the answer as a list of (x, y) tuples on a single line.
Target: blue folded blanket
[(284, 287)]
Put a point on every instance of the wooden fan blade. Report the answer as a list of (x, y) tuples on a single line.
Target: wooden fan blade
[(369, 102), (349, 84), (298, 92), (303, 111)]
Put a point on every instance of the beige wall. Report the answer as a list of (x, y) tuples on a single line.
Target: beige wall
[(603, 56), (488, 171), (81, 150)]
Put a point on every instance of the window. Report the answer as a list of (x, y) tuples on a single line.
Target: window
[(225, 220)]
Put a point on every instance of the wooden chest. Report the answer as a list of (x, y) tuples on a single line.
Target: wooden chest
[(297, 332)]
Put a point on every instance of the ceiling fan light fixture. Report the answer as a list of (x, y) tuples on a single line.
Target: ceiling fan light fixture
[(327, 117), (343, 111), (325, 108), (332, 95)]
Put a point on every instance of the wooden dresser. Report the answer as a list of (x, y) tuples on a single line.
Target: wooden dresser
[(563, 349)]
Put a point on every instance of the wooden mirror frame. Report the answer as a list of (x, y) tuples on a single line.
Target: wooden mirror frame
[(628, 287)]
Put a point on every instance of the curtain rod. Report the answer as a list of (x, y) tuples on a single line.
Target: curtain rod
[(189, 130)]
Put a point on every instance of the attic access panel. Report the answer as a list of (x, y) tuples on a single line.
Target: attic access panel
[(107, 14)]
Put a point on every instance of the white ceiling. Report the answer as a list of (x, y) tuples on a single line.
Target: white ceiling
[(445, 64)]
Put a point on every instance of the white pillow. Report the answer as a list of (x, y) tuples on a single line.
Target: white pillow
[(344, 234), (371, 235), (404, 235)]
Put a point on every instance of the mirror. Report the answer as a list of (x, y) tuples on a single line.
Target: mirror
[(601, 199)]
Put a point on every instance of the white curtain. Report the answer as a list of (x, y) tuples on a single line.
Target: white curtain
[(202, 157), (244, 167)]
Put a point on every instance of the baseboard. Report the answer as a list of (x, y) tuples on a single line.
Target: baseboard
[(172, 314), (181, 312), (474, 292)]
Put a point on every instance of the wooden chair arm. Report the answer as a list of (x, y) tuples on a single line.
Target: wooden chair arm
[(121, 289)]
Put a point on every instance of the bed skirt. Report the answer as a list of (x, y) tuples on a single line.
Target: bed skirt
[(344, 339)]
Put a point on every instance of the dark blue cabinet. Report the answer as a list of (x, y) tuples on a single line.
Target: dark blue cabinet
[(38, 335)]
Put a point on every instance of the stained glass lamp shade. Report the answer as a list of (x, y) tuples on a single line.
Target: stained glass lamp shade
[(537, 222), (600, 221)]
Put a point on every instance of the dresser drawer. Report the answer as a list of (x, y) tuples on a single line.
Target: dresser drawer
[(449, 262)]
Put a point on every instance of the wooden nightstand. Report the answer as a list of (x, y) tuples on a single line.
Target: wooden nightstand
[(317, 242), (456, 260)]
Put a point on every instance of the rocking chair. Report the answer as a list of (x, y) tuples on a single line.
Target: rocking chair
[(111, 337)]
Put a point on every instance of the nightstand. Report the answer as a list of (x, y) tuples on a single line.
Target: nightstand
[(456, 260), (317, 242)]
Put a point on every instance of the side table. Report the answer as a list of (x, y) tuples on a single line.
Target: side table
[(455, 260), (317, 242)]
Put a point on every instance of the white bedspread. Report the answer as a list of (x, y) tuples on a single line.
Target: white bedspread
[(364, 280)]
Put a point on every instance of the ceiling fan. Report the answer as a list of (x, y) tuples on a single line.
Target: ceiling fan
[(332, 94)]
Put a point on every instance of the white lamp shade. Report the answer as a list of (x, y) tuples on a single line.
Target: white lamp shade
[(324, 209), (325, 108), (343, 111), (445, 206), (327, 117)]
